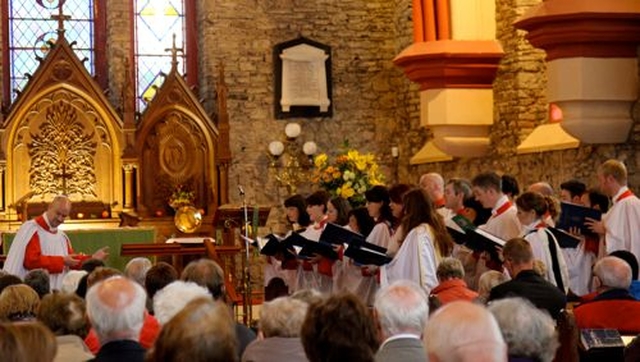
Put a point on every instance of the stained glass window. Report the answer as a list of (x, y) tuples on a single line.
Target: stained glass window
[(31, 29), (156, 23)]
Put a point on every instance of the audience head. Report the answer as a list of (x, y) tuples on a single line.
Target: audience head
[(462, 331), (11, 349), (71, 280), (400, 308), (433, 184), (487, 189), (7, 280), (360, 221), (517, 256), (100, 274), (612, 175), (338, 211), (630, 259), (317, 205), (202, 331), (612, 273), (396, 193), (542, 188), (449, 268), (38, 280), (418, 210), (308, 296), (595, 200), (528, 331), (297, 210), (339, 328), (18, 303), (38, 343), (116, 309), (282, 317), (378, 203), (456, 192), (137, 268), (170, 300), (572, 190), (90, 265), (159, 276), (64, 314), (488, 280), (510, 186), (206, 273)]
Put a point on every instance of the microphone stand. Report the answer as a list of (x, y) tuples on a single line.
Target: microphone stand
[(247, 270)]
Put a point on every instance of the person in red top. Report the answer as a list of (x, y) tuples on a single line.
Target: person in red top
[(39, 244), (613, 307), (452, 287)]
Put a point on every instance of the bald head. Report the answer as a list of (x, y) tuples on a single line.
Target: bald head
[(116, 308), (613, 272), (463, 331), (58, 210), (541, 187), (433, 183)]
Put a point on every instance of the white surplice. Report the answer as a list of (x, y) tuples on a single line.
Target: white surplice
[(622, 224), (504, 225), (368, 285), (539, 239), (416, 260)]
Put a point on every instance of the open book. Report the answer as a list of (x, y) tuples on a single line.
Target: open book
[(367, 254), (574, 216), (463, 231), (600, 338), (308, 248), (336, 234)]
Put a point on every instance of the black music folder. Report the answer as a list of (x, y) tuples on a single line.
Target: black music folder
[(336, 234), (565, 239), (463, 231), (308, 248), (368, 254), (574, 216)]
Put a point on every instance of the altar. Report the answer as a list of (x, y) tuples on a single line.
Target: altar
[(89, 241)]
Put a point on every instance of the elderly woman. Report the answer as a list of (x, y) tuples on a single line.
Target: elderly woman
[(279, 336), (529, 332), (18, 303)]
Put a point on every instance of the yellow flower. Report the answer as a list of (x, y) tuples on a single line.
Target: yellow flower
[(320, 160), (346, 191), (337, 174)]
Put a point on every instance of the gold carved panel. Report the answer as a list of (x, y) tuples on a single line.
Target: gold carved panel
[(62, 145)]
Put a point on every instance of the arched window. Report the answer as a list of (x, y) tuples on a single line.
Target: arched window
[(30, 27), (156, 24)]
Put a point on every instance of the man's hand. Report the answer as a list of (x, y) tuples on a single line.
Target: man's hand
[(70, 260), (595, 225), (101, 254)]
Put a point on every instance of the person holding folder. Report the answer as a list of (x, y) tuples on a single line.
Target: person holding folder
[(425, 242), (620, 224), (532, 208), (316, 272)]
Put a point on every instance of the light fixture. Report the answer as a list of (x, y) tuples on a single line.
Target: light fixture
[(290, 163)]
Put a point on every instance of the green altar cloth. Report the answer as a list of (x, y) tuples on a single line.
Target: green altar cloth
[(89, 240)]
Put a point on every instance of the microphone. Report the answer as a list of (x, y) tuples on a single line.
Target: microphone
[(241, 190)]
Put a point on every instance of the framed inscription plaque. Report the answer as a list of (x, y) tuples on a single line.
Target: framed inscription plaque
[(303, 79)]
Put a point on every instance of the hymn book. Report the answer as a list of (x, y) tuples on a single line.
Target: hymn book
[(574, 216), (600, 338), (465, 232), (357, 247)]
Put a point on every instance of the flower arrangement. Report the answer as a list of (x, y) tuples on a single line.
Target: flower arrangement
[(349, 175), (181, 197)]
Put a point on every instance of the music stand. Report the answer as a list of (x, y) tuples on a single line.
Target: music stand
[(227, 219)]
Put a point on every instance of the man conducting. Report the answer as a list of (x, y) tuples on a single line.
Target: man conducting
[(39, 244)]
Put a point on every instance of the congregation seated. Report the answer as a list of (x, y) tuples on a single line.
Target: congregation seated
[(7, 280), (201, 332), (487, 281), (207, 273), (613, 307), (526, 283), (71, 280), (401, 310), (65, 314), (634, 288), (464, 331), (171, 299), (339, 328), (279, 335), (452, 286), (116, 310), (26, 341), (18, 303), (137, 268), (529, 332), (38, 280), (158, 277)]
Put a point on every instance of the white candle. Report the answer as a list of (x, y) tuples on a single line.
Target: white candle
[(394, 152)]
